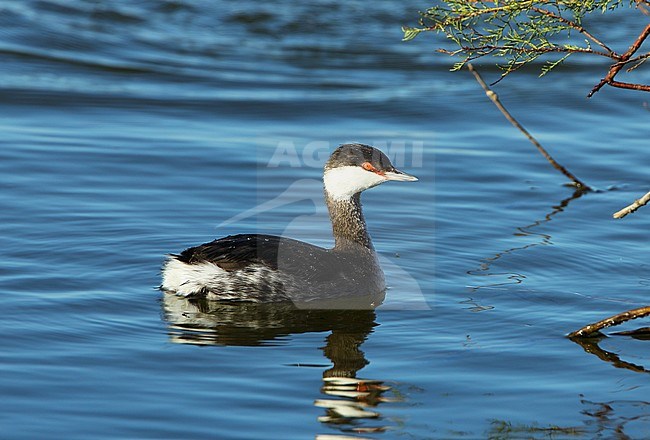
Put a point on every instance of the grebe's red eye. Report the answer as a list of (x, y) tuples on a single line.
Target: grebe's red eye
[(368, 167)]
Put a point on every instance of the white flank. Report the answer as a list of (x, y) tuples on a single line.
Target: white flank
[(344, 182), (187, 279)]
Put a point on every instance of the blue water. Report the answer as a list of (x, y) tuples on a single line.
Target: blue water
[(135, 129)]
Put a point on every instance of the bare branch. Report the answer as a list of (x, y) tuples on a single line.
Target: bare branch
[(593, 329), (633, 206), (495, 99), (616, 67), (630, 86), (637, 59)]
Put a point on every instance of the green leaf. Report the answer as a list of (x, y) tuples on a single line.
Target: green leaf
[(550, 65), (457, 66), (410, 33)]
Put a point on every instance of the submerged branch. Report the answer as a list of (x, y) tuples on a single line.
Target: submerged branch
[(629, 209), (495, 99), (593, 329)]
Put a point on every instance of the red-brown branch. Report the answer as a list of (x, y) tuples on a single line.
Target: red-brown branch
[(631, 86), (616, 67)]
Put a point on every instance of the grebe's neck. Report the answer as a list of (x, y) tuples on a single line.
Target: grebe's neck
[(348, 224)]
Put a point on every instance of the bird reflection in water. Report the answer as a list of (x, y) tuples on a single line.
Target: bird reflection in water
[(350, 403)]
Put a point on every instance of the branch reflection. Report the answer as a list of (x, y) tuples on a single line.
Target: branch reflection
[(350, 403), (590, 345), (619, 419), (522, 231)]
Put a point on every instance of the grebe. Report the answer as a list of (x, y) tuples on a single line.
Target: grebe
[(267, 268)]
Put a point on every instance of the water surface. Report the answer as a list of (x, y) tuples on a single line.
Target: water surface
[(131, 130)]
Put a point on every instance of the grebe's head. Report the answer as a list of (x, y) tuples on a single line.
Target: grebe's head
[(353, 168)]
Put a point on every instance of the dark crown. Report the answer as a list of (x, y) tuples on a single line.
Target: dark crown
[(356, 155)]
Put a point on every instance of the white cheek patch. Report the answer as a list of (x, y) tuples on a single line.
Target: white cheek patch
[(344, 182)]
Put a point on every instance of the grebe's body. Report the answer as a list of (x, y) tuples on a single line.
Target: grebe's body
[(266, 268)]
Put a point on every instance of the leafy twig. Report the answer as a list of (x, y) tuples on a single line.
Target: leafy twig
[(574, 25), (520, 32)]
